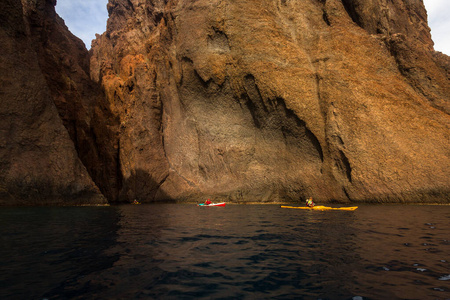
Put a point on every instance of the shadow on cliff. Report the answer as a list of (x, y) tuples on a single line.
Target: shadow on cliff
[(45, 191), (141, 186)]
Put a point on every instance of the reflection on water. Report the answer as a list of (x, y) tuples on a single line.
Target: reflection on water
[(45, 249), (255, 252)]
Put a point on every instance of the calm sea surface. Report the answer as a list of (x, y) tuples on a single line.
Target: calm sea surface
[(181, 251)]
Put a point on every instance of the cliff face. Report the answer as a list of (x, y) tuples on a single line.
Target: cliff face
[(266, 100), (251, 100), (38, 160), (64, 63)]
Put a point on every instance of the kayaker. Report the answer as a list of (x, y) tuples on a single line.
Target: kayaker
[(208, 202), (309, 202)]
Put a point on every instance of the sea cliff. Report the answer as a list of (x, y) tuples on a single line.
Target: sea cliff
[(244, 101)]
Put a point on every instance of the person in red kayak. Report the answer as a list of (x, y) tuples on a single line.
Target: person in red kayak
[(208, 202), (310, 202)]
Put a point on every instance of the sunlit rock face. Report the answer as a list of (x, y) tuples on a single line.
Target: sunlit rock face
[(275, 100), (39, 163), (242, 101)]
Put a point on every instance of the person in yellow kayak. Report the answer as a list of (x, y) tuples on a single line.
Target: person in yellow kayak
[(310, 202)]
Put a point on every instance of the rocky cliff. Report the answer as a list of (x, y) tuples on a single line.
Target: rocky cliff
[(45, 99), (251, 100), (276, 100)]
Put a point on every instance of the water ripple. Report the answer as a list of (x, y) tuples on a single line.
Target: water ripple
[(238, 252)]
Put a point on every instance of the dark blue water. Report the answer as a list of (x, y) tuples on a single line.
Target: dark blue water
[(180, 251)]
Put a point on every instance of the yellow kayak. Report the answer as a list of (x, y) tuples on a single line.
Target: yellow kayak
[(322, 208)]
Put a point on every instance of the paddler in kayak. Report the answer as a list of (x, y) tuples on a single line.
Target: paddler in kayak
[(208, 202), (310, 202)]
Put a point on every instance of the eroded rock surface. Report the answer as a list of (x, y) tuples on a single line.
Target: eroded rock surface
[(274, 100), (242, 101)]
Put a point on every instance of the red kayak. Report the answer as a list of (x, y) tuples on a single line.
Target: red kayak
[(212, 204)]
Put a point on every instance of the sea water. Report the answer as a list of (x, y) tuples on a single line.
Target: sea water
[(181, 251)]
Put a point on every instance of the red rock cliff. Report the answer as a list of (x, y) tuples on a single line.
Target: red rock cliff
[(38, 159), (274, 100), (251, 100), (64, 62)]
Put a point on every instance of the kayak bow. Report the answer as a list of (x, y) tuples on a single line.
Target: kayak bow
[(212, 204), (322, 208)]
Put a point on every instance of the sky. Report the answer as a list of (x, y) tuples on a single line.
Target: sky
[(85, 18), (439, 22)]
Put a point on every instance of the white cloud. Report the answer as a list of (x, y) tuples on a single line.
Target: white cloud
[(84, 18)]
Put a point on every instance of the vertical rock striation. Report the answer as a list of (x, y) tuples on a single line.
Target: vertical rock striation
[(272, 100)]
